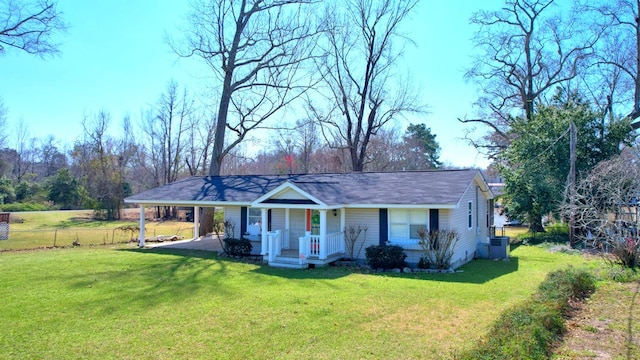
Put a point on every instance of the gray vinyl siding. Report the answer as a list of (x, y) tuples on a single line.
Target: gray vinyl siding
[(469, 237), (298, 224), (277, 219), (232, 213), (365, 218)]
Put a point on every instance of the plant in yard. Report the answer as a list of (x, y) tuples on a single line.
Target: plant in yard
[(237, 247), (386, 256), (529, 329), (229, 229), (352, 234), (132, 229), (605, 209), (438, 246), (218, 229)]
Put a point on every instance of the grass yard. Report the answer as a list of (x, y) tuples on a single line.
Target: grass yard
[(39, 229), (96, 302)]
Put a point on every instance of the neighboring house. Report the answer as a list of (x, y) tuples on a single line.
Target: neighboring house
[(298, 220)]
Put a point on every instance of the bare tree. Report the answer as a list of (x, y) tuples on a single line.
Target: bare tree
[(165, 131), (200, 135), (98, 162), (256, 48), (29, 26), (25, 151), (3, 124), (617, 61), (306, 140), (51, 159), (364, 93), (606, 208), (528, 48)]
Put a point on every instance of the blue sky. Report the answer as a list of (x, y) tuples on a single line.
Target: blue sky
[(114, 57)]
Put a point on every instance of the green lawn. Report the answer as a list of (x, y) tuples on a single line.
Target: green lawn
[(37, 229), (118, 303)]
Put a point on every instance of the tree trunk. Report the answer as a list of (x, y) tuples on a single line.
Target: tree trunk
[(535, 223)]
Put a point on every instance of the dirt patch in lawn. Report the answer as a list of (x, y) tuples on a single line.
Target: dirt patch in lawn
[(605, 326)]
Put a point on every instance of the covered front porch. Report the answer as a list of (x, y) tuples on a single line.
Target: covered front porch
[(319, 243)]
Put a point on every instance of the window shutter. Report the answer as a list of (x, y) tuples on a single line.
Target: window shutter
[(384, 226), (434, 219), (243, 220)]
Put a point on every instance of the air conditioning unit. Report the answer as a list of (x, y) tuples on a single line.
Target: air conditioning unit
[(499, 247)]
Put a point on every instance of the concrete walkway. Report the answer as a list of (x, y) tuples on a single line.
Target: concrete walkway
[(202, 243)]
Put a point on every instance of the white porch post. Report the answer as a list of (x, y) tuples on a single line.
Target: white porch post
[(343, 227), (323, 234), (196, 222), (142, 235), (287, 235), (263, 231)]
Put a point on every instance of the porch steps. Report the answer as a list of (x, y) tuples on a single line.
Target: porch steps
[(288, 263)]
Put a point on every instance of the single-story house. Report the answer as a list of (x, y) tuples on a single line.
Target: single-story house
[(298, 220)]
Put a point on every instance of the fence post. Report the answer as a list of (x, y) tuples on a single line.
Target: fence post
[(55, 237)]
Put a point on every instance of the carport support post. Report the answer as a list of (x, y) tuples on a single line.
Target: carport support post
[(264, 227), (142, 214), (196, 221)]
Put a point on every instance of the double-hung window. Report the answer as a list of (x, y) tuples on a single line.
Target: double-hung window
[(404, 225), (254, 217)]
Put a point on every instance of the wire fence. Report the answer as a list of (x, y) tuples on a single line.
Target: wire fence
[(66, 237)]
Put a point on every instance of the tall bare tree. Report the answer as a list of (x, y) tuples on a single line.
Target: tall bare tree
[(3, 124), (29, 26), (25, 151), (615, 69), (364, 93), (528, 47), (200, 135), (97, 159), (165, 128), (256, 49)]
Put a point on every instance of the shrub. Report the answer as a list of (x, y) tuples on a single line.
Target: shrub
[(17, 207), (438, 246), (528, 330), (385, 256), (351, 235), (237, 247)]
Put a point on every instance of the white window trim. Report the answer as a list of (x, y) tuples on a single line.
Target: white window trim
[(470, 214), (405, 242), (249, 217)]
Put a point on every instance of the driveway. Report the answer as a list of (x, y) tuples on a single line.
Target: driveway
[(202, 243)]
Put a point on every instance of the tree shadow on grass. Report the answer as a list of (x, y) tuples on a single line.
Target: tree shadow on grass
[(478, 271), (141, 283), (475, 272)]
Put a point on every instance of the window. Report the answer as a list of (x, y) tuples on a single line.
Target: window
[(404, 225), (470, 214), (254, 217)]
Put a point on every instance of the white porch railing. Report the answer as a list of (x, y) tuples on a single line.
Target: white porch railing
[(274, 240), (311, 246)]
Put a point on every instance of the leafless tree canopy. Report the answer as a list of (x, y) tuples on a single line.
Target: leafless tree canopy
[(613, 78), (363, 93), (528, 47), (606, 206), (256, 49), (29, 26), (3, 124)]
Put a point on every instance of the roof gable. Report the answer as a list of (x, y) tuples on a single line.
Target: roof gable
[(287, 194)]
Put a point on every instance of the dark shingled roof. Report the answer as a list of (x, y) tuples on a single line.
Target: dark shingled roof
[(437, 187)]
